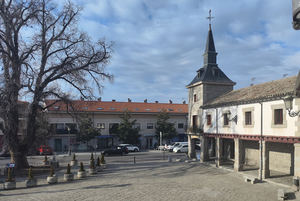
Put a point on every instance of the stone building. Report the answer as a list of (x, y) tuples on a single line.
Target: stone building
[(209, 83), (248, 128), (107, 114)]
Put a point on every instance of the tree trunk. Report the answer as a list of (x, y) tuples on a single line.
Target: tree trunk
[(19, 159)]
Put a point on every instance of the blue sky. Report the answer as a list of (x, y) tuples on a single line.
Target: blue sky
[(158, 44)]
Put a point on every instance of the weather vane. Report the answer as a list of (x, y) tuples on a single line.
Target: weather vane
[(209, 17)]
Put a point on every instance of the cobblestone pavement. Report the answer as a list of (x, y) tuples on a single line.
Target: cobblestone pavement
[(150, 179)]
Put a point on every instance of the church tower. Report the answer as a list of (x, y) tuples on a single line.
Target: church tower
[(209, 83)]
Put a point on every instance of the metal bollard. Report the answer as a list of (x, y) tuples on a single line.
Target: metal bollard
[(134, 160), (170, 159)]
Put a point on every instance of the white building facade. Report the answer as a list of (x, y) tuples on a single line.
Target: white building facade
[(105, 115)]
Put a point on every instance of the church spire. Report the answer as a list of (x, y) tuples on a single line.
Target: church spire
[(210, 54)]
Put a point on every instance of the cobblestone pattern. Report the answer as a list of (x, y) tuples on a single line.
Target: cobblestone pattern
[(151, 179)]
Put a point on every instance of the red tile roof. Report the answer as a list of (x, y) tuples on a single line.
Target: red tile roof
[(117, 107)]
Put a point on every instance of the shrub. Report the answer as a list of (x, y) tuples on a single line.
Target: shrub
[(74, 157), (92, 157), (45, 159)]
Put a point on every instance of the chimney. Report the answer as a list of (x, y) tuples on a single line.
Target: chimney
[(184, 102), (129, 100), (99, 99), (170, 101), (81, 98), (145, 101), (156, 101), (113, 100)]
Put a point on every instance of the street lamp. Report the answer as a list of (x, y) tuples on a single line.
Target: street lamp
[(288, 102), (68, 128), (296, 14)]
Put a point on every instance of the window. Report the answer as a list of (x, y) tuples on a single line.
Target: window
[(208, 120), (100, 108), (150, 125), (113, 128), (60, 126), (278, 116), (137, 125), (101, 125), (195, 122), (248, 118), (225, 119), (195, 98), (180, 125)]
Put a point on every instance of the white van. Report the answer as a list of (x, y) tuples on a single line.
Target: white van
[(183, 148), (175, 144)]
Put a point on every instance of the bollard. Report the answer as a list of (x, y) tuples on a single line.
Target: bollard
[(170, 159), (134, 160), (164, 155)]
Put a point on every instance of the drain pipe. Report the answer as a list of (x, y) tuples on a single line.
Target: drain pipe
[(261, 138)]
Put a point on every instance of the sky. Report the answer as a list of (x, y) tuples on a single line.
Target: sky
[(158, 44)]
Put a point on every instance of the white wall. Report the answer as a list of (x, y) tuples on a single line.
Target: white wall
[(290, 125)]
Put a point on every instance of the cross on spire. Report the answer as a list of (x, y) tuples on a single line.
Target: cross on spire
[(209, 18)]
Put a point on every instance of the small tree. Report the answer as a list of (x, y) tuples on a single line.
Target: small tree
[(51, 171), (92, 164), (102, 161), (30, 176), (87, 131), (127, 133), (92, 156), (74, 157), (9, 176), (162, 125), (98, 161), (68, 169), (81, 169)]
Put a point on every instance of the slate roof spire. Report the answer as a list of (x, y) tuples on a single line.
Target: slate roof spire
[(210, 72)]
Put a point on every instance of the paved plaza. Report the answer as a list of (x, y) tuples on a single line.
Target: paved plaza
[(150, 179)]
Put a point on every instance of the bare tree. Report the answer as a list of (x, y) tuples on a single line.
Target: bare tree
[(42, 53)]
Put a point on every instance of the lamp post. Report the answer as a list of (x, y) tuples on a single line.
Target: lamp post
[(288, 102), (69, 152)]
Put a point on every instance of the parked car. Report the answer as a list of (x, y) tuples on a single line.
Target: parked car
[(175, 144), (117, 150), (4, 153), (130, 147), (44, 150), (181, 148)]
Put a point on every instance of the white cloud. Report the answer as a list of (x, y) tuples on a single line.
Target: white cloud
[(159, 44)]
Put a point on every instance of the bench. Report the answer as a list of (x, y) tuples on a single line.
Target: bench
[(252, 180), (282, 194)]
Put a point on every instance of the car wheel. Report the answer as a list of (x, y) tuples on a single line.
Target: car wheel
[(178, 151)]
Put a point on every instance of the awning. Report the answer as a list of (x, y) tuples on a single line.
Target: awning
[(104, 136)]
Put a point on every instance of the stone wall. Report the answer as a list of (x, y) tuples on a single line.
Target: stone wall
[(251, 153), (281, 157)]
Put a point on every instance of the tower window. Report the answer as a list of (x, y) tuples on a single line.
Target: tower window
[(195, 98), (215, 72)]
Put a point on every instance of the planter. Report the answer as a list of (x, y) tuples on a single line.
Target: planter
[(81, 174), (8, 185), (92, 171), (52, 180), (68, 177), (30, 183), (73, 163)]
